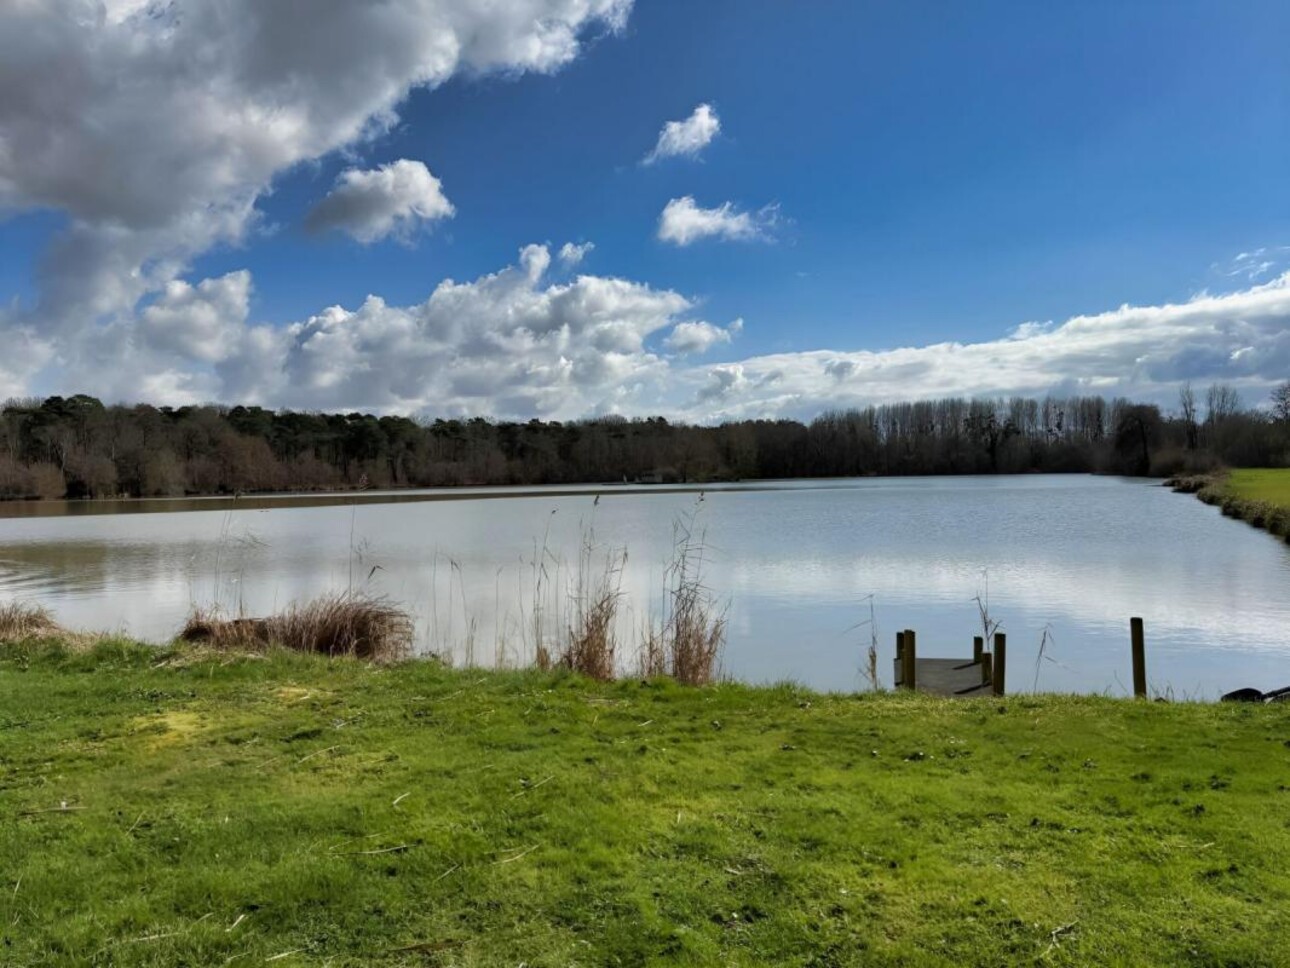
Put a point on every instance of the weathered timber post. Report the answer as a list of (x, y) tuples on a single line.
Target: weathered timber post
[(1000, 662), (1139, 639), (987, 669), (900, 658), (909, 668), (978, 648)]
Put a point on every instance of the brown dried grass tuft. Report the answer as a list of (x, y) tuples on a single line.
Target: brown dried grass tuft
[(697, 633), (591, 647), (653, 651), (24, 622), (357, 625), (20, 620)]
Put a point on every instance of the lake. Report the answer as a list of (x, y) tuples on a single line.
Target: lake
[(801, 568)]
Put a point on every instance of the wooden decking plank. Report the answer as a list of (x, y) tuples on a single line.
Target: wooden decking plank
[(946, 677)]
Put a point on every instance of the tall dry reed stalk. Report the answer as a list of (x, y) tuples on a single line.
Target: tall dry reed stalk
[(687, 642), (544, 618), (870, 668), (1045, 640), (447, 644), (989, 625)]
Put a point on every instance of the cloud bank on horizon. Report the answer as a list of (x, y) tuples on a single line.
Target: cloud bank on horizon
[(516, 344), (192, 108)]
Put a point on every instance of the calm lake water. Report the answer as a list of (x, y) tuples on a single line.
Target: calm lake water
[(797, 565)]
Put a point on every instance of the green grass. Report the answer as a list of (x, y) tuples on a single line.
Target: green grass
[(229, 811), (1268, 485), (1260, 497)]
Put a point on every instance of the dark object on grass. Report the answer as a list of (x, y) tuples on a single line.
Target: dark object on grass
[(1254, 695)]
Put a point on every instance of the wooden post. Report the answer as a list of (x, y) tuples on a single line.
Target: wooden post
[(900, 658), (1139, 658), (987, 669), (978, 648), (910, 666), (1000, 662)]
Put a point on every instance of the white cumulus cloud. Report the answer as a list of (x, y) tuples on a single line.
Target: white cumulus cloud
[(722, 383), (684, 222), (572, 255), (697, 336), (155, 126), (505, 344), (688, 137), (391, 200), (202, 322), (509, 343)]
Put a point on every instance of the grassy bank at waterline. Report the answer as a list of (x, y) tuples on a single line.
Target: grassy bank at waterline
[(1258, 496), (1268, 485), (187, 807)]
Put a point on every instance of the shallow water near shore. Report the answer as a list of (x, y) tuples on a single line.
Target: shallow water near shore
[(795, 564)]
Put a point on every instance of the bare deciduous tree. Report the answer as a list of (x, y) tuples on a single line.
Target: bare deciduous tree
[(1221, 402), (1187, 401)]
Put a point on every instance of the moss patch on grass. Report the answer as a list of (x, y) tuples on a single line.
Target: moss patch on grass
[(173, 807)]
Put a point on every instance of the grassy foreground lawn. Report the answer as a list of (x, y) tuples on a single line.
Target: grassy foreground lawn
[(237, 811), (1269, 485)]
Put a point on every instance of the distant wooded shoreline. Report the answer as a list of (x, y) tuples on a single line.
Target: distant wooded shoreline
[(77, 447)]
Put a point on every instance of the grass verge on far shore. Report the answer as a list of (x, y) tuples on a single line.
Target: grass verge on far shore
[(1268, 485), (181, 806), (1258, 496)]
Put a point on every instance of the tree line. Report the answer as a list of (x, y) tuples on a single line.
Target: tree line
[(77, 447)]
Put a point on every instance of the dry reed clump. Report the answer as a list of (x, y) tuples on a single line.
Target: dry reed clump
[(592, 645), (23, 622), (1190, 483), (20, 621), (361, 626), (687, 644), (652, 659), (696, 635), (542, 659)]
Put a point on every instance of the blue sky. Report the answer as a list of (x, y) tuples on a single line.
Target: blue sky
[(944, 171), (928, 172)]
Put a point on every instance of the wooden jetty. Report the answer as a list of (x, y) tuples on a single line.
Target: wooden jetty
[(948, 677), (981, 675), (985, 673)]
